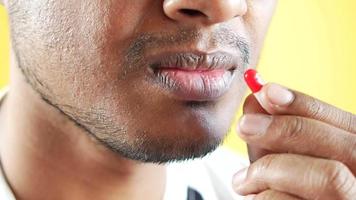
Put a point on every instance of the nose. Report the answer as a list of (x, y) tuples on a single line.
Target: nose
[(204, 11)]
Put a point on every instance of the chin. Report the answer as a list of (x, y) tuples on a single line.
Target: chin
[(167, 146)]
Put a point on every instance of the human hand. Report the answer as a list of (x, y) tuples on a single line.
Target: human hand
[(305, 150)]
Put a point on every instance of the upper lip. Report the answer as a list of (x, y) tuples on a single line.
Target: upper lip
[(193, 61)]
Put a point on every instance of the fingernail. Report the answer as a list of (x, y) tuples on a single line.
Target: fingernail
[(239, 178), (254, 124), (250, 197), (279, 95)]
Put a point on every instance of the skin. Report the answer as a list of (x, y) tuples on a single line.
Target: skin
[(305, 141), (97, 74), (85, 123), (82, 118)]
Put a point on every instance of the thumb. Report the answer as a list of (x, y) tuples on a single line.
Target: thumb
[(250, 106)]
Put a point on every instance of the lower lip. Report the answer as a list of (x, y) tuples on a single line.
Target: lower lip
[(197, 85)]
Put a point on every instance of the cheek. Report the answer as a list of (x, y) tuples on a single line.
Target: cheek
[(125, 17), (86, 74), (261, 12), (74, 45), (257, 21)]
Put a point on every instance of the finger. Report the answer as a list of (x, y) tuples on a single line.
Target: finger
[(255, 152), (251, 106), (280, 100), (299, 135), (302, 176), (271, 195)]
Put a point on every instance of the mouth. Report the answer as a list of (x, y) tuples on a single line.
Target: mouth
[(195, 76)]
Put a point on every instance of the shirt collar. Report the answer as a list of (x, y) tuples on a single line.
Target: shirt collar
[(5, 191)]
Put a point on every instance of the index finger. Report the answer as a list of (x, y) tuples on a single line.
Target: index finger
[(307, 106), (279, 100)]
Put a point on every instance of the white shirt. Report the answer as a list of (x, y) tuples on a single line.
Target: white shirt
[(209, 177)]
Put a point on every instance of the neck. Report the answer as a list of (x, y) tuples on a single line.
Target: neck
[(46, 156)]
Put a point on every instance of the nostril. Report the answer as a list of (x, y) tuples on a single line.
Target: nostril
[(191, 12)]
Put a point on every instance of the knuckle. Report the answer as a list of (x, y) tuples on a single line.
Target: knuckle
[(350, 122), (266, 163), (315, 109), (293, 128), (340, 180), (344, 120), (349, 154)]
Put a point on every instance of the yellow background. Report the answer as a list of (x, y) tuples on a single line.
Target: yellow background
[(311, 47)]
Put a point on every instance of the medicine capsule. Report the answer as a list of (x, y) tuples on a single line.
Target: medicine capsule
[(253, 80)]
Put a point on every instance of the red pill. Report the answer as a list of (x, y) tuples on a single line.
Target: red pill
[(253, 80)]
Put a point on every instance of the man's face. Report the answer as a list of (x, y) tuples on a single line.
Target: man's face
[(154, 80)]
